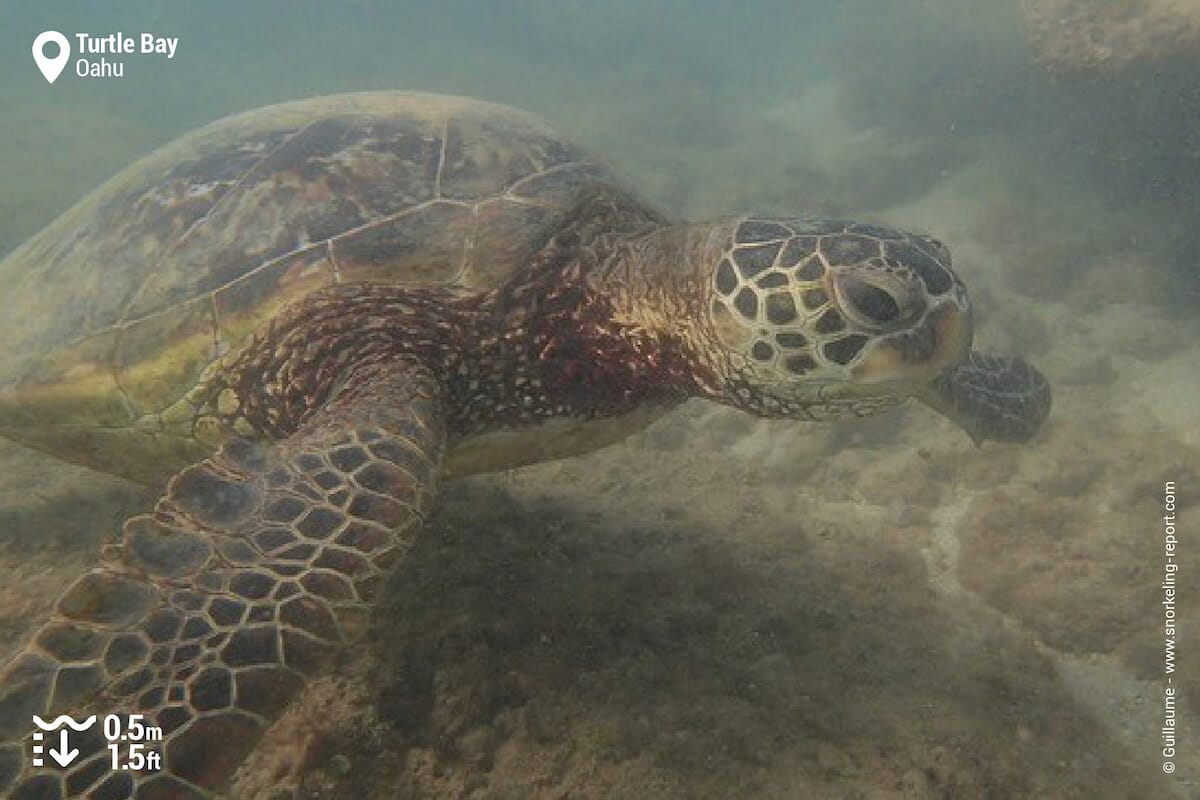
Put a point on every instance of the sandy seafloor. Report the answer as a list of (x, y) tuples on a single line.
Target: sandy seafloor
[(726, 608)]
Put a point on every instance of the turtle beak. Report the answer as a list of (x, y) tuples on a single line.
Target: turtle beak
[(915, 356)]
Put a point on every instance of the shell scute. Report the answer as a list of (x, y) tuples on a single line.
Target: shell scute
[(422, 246), (485, 157), (157, 354), (246, 305), (507, 232)]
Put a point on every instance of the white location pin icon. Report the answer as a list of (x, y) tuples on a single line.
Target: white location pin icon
[(51, 67)]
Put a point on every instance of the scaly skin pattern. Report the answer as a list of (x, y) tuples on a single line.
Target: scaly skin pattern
[(547, 344), (216, 608)]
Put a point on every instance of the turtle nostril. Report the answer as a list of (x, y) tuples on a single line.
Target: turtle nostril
[(872, 302)]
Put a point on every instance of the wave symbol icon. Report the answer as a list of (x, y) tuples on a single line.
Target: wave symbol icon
[(64, 720)]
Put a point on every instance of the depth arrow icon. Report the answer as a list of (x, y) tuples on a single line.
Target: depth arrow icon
[(62, 755)]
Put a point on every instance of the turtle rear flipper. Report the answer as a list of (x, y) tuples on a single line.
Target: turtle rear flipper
[(213, 611), (992, 397)]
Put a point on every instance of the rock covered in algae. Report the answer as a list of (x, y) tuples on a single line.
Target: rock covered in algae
[(1109, 36)]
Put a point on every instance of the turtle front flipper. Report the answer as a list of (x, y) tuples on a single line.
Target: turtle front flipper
[(213, 611), (992, 397)]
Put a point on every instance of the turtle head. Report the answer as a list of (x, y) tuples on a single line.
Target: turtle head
[(828, 318)]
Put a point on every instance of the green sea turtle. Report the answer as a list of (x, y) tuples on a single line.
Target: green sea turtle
[(300, 319)]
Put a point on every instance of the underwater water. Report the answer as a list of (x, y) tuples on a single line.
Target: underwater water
[(722, 606)]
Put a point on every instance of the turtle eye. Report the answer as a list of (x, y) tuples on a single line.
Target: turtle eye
[(871, 302)]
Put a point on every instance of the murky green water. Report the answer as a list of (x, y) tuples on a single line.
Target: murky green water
[(722, 606)]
